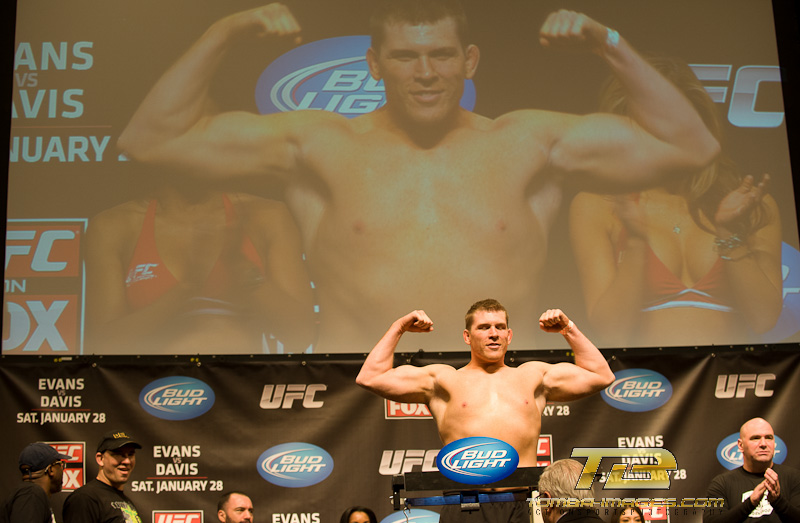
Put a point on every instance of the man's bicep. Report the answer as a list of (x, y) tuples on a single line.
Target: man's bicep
[(609, 152), (231, 145), (240, 144), (406, 383), (567, 381)]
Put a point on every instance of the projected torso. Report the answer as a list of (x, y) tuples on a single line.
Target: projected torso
[(404, 225)]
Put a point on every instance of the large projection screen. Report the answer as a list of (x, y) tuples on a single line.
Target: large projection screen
[(109, 254)]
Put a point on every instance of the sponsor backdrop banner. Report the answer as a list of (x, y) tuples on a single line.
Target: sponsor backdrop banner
[(306, 442)]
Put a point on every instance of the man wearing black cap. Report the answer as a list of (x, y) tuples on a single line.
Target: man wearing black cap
[(42, 468), (103, 499)]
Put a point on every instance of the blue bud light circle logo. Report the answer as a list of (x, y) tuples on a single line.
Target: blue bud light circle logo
[(637, 390), (295, 465), (730, 457), (177, 398), (331, 75), (477, 461), (415, 515)]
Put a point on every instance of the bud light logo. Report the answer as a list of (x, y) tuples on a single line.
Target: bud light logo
[(414, 515), (295, 465), (330, 75), (177, 398), (477, 461), (730, 456), (638, 390)]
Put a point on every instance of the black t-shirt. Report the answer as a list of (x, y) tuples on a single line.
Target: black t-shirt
[(735, 487), (28, 504), (97, 502)]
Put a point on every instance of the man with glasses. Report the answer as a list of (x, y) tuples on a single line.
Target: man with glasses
[(42, 469), (103, 499)]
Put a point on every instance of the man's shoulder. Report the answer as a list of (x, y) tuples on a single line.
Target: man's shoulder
[(535, 366), (738, 471), (440, 368), (90, 488), (307, 121), (532, 119), (732, 477), (27, 488), (786, 471)]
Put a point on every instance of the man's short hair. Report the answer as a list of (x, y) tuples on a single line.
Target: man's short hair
[(416, 12), (560, 478), (483, 305), (223, 500)]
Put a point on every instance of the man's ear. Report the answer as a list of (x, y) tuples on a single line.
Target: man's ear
[(221, 515), (372, 62), (473, 57)]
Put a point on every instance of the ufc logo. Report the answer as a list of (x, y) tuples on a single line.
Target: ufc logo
[(729, 385), (178, 517), (74, 451), (402, 461), (656, 473), (35, 248), (284, 396), (744, 94)]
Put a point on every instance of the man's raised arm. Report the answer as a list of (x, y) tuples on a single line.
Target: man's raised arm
[(589, 374), (177, 125), (665, 134), (406, 383)]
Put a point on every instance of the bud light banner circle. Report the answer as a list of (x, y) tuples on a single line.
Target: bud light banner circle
[(331, 75), (477, 461), (730, 457), (177, 398), (637, 390), (295, 465)]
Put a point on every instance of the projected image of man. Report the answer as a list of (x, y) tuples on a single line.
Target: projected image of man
[(420, 201)]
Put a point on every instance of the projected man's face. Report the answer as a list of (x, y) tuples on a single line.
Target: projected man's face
[(423, 68)]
